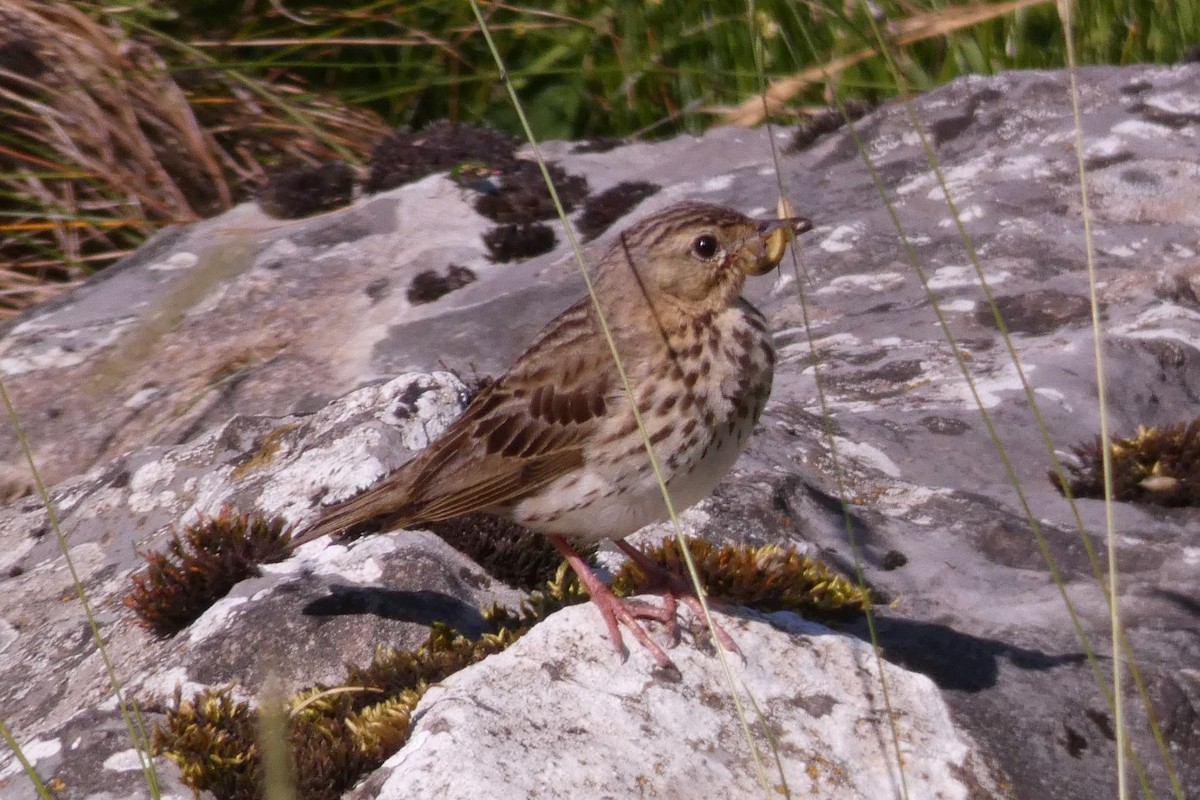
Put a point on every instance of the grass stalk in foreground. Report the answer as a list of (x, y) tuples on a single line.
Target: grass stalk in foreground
[(130, 712)]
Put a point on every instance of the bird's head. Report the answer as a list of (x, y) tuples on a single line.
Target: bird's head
[(694, 257)]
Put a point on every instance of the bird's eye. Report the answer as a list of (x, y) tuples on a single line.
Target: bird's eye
[(705, 246)]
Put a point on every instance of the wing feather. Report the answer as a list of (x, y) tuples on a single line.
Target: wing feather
[(516, 436)]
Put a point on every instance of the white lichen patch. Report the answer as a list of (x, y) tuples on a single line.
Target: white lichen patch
[(959, 305), (1140, 129), (842, 238), (34, 751), (8, 635), (717, 183), (867, 455), (359, 564), (342, 469), (1165, 321), (174, 262), (904, 500), (159, 687), (142, 397), (214, 619), (965, 214), (147, 486), (870, 281), (124, 761), (990, 387), (1055, 396), (67, 350), (961, 276)]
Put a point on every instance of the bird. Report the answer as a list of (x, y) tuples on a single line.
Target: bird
[(554, 444)]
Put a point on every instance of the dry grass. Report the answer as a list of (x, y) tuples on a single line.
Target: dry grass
[(101, 143)]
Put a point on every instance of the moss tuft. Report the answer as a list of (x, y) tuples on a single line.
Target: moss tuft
[(430, 285), (505, 550), (767, 578), (513, 242), (304, 191), (201, 565), (521, 195), (602, 210), (1160, 466)]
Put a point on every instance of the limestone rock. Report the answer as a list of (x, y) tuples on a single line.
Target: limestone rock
[(249, 361)]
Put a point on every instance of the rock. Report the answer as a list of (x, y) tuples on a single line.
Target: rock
[(633, 732), (246, 361)]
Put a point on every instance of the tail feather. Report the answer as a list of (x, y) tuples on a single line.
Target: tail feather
[(352, 512)]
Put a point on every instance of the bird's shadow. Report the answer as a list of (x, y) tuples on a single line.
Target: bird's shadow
[(423, 607), (952, 659)]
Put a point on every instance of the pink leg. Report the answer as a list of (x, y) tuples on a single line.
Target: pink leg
[(675, 586), (613, 609)]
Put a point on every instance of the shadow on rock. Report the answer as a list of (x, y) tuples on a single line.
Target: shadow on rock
[(423, 607), (955, 660)]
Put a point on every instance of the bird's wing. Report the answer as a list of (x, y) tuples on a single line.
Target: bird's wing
[(517, 435)]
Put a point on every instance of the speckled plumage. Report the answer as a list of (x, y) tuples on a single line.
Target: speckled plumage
[(554, 445)]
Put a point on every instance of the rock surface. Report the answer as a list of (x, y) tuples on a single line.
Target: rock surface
[(199, 372), (633, 732)]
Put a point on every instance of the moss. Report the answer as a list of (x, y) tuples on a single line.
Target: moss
[(1159, 465), (339, 734), (430, 285), (521, 195), (827, 120), (201, 565), (767, 578), (513, 242), (303, 191), (407, 156), (505, 550), (602, 210)]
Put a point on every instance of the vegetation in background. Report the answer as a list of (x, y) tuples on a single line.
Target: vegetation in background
[(116, 119)]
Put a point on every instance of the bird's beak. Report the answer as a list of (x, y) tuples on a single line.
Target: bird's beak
[(774, 235)]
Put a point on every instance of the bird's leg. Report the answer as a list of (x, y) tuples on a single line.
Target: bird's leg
[(615, 610), (676, 586)]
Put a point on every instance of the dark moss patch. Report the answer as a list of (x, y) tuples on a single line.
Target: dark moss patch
[(826, 121), (201, 565), (304, 191), (514, 242), (521, 195), (1160, 466), (430, 285), (602, 210), (505, 550), (767, 578), (407, 156)]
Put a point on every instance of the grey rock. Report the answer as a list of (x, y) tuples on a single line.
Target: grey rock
[(200, 373), (633, 732)]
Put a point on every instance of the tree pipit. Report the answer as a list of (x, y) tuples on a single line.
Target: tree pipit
[(554, 444)]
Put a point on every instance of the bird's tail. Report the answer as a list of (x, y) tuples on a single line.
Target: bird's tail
[(351, 513)]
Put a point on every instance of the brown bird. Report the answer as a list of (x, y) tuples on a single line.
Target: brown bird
[(554, 444)]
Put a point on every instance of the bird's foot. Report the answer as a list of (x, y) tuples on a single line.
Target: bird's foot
[(676, 587), (616, 611)]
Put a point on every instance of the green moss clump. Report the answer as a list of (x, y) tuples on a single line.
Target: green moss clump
[(767, 578), (1160, 466), (201, 565)]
